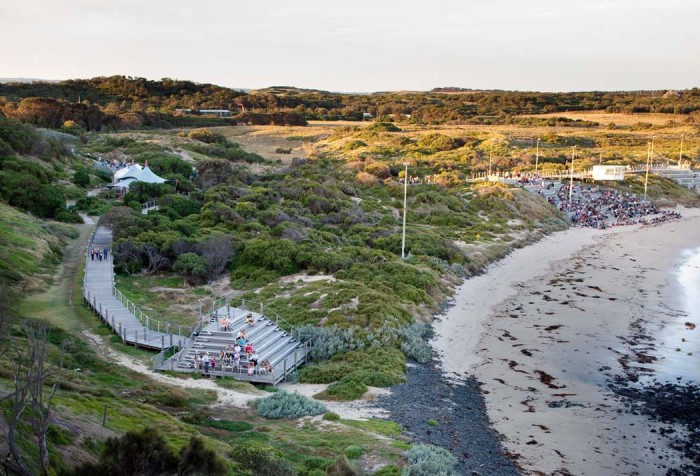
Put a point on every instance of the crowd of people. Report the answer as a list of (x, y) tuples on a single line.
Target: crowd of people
[(231, 357), (113, 164), (99, 253), (596, 208)]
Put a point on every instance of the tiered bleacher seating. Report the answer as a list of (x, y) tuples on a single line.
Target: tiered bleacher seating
[(284, 352)]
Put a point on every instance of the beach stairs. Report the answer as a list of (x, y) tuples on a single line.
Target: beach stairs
[(689, 179), (270, 341)]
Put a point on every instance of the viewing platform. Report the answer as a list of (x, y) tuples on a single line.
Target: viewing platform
[(179, 344)]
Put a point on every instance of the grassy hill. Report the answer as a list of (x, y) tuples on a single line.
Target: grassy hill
[(307, 219)]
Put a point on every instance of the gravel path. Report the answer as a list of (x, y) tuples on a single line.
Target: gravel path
[(450, 415)]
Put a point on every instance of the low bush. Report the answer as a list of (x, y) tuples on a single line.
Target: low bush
[(354, 451), (429, 460), (346, 389), (287, 405), (330, 416), (229, 425), (262, 460)]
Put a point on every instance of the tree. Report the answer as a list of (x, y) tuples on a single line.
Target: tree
[(81, 178), (31, 372), (195, 458), (193, 267)]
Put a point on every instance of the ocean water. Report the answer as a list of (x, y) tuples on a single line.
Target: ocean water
[(678, 349)]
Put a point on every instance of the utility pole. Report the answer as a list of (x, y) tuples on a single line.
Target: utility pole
[(571, 181), (405, 192), (537, 155), (650, 152)]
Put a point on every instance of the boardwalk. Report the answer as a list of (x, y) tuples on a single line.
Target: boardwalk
[(180, 344), (125, 319)]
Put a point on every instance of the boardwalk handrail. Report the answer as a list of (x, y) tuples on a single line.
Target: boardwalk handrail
[(147, 321)]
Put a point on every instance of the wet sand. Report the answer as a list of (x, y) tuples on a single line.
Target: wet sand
[(549, 327)]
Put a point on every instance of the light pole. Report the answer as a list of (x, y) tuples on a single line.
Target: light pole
[(405, 192), (650, 153), (490, 159), (571, 181), (537, 155)]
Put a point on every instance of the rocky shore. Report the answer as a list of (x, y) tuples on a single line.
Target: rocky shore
[(450, 414), (674, 405)]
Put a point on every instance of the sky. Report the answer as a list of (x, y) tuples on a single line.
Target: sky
[(360, 45)]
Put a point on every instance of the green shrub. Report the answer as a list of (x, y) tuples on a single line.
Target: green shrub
[(207, 136), (287, 405), (59, 436), (429, 460), (229, 425), (330, 416), (192, 266), (81, 178), (345, 390), (262, 460), (354, 451), (389, 470), (383, 127)]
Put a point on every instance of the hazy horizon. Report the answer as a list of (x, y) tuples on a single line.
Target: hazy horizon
[(543, 45)]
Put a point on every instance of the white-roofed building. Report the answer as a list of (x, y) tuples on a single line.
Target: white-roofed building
[(124, 177)]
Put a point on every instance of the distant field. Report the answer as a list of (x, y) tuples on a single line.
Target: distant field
[(620, 119)]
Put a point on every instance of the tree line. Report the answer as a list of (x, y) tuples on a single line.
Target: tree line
[(119, 102)]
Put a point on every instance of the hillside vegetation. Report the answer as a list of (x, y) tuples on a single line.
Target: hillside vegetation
[(307, 219)]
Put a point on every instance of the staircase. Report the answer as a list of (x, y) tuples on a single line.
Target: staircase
[(687, 178), (271, 342)]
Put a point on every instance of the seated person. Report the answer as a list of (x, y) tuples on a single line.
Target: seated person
[(249, 320)]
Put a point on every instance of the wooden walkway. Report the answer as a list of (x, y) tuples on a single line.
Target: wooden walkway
[(125, 319)]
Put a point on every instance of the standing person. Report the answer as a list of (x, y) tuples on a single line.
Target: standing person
[(206, 360), (106, 252), (92, 254)]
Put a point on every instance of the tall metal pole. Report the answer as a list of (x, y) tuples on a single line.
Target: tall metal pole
[(650, 149), (405, 192), (537, 155), (571, 181)]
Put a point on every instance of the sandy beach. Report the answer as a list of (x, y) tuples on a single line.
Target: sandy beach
[(549, 327)]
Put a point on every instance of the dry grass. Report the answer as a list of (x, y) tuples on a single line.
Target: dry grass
[(620, 119)]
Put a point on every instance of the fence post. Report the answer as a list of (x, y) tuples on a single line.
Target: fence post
[(261, 309), (94, 303), (107, 316), (179, 330), (243, 304), (171, 340), (136, 338), (120, 328), (162, 342), (285, 369), (228, 308), (88, 297)]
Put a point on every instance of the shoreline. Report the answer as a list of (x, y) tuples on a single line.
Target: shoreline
[(546, 328)]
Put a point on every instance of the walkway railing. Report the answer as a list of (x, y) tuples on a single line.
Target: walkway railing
[(147, 321)]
